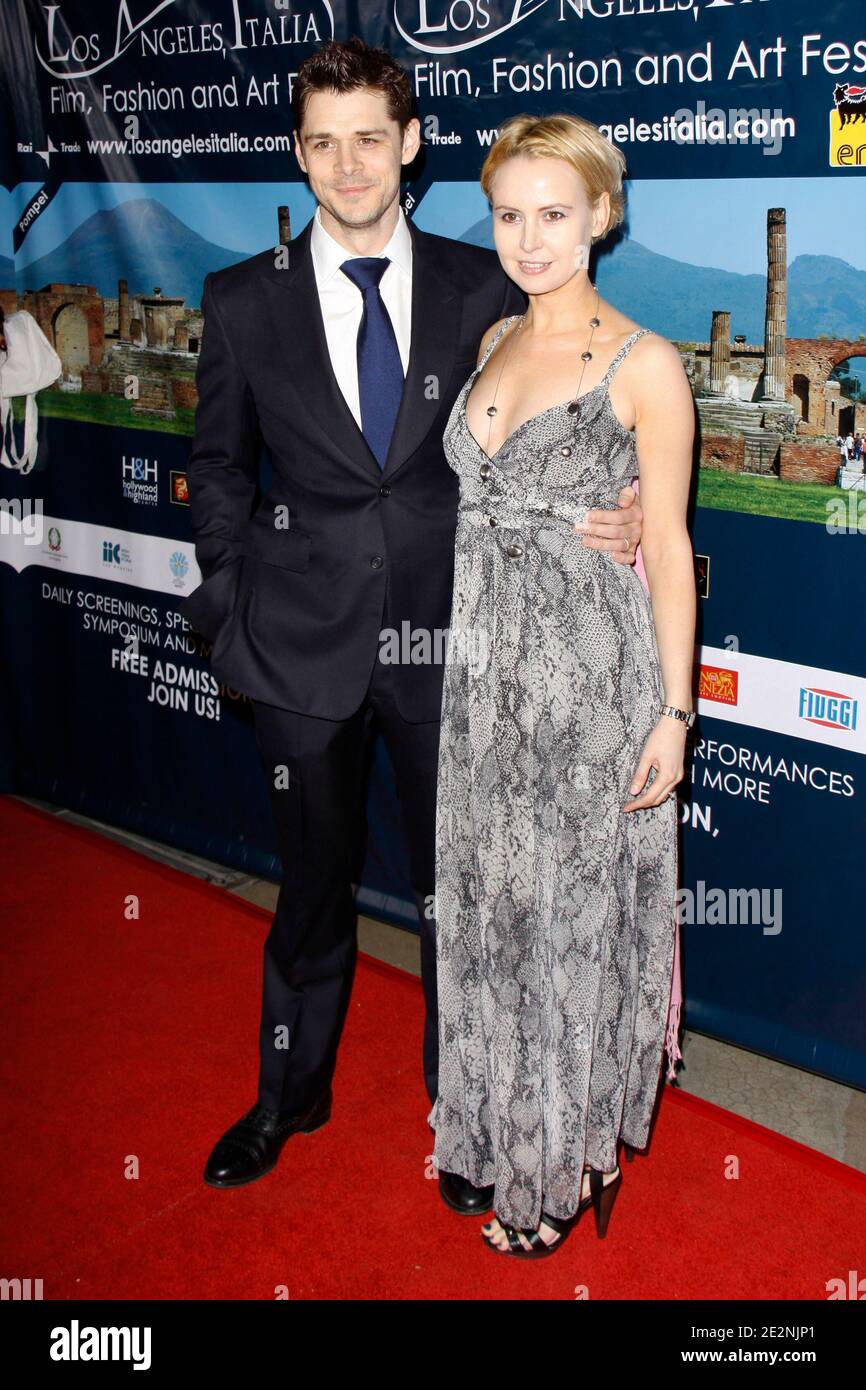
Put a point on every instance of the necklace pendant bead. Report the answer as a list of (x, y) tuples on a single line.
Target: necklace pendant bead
[(594, 323), (491, 410), (586, 356)]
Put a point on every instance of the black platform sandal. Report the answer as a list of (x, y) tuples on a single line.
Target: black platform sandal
[(602, 1196), (540, 1247)]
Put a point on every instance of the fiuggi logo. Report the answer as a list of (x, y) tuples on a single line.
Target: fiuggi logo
[(828, 707), (717, 683)]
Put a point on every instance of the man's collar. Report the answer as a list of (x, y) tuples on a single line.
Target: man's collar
[(328, 255)]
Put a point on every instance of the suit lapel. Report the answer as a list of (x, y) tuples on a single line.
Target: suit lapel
[(435, 325), (296, 316)]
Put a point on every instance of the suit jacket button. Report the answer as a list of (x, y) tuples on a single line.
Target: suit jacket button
[(514, 552), (384, 490), (484, 471), (566, 452), (376, 562)]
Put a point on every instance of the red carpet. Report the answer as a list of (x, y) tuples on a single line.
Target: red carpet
[(133, 1042)]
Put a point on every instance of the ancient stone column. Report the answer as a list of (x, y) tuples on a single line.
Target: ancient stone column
[(181, 337), (285, 225), (158, 318), (123, 311), (720, 350), (775, 320)]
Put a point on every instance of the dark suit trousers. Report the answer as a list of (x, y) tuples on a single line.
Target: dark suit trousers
[(317, 774)]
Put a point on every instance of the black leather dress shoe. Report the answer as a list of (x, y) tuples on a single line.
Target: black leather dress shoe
[(458, 1193), (251, 1147)]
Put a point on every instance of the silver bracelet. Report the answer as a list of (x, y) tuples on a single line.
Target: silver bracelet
[(686, 715)]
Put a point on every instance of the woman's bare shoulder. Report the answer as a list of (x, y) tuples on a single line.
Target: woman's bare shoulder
[(489, 336), (656, 378), (652, 350)]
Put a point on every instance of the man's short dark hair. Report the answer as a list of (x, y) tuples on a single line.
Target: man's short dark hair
[(347, 67)]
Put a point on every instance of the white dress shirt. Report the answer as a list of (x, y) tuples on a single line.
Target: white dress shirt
[(342, 303)]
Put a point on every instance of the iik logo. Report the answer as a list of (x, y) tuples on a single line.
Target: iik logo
[(848, 126), (115, 555)]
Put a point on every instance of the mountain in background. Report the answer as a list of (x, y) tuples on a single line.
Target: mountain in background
[(825, 294), (139, 241), (143, 242)]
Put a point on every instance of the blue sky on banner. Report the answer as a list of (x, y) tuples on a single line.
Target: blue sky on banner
[(719, 223)]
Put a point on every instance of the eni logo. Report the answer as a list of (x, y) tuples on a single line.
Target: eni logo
[(848, 126)]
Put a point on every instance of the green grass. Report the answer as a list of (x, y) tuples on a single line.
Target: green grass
[(740, 492), (105, 410), (727, 492)]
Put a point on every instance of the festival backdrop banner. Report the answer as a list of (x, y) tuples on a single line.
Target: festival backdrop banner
[(147, 142)]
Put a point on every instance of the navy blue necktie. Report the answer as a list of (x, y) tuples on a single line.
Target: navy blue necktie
[(380, 370)]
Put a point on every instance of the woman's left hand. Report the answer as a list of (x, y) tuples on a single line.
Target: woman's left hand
[(664, 750)]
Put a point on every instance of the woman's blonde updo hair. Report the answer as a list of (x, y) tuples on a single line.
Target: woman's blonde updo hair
[(599, 164)]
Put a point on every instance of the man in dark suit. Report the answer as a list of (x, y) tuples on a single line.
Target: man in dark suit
[(344, 358)]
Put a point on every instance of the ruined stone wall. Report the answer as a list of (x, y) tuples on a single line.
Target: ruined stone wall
[(722, 451), (802, 462), (815, 359)]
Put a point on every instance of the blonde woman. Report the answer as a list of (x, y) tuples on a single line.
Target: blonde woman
[(566, 705)]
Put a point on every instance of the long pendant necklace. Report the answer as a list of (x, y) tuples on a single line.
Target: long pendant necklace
[(573, 406)]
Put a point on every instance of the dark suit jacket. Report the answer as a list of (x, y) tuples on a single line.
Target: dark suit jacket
[(295, 615)]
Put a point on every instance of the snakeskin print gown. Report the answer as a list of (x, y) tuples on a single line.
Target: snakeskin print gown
[(555, 909)]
